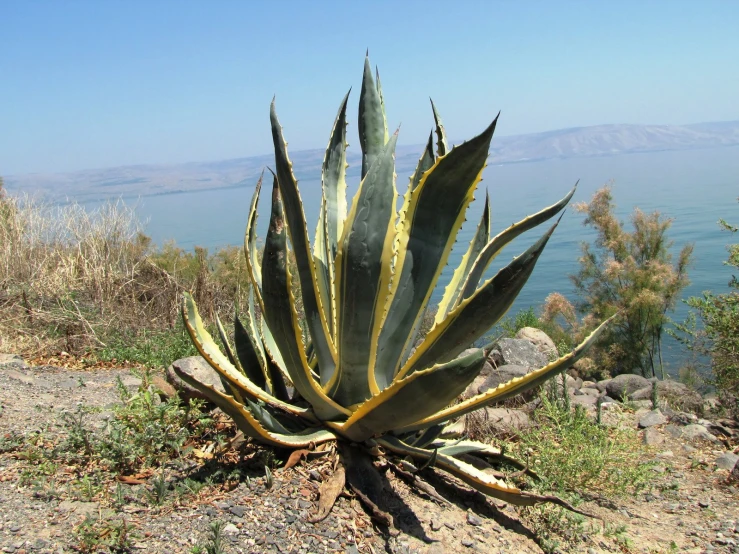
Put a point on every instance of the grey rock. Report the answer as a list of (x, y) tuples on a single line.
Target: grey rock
[(675, 431), (655, 417), (517, 352), (230, 529), (26, 379), (472, 519), (473, 389), (727, 460), (540, 340), (674, 393), (590, 391), (238, 511), (504, 420), (601, 385), (695, 431), (624, 385), (467, 542), (500, 375), (584, 400), (653, 437), (198, 368)]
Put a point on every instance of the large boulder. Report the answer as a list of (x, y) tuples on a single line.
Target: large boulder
[(497, 420), (198, 369), (499, 375), (625, 385), (677, 395), (540, 340), (517, 352)]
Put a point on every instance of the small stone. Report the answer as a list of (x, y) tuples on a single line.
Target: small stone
[(472, 519), (655, 417), (696, 431), (230, 529), (435, 525), (467, 542), (652, 436), (14, 527), (703, 503), (727, 460), (238, 511)]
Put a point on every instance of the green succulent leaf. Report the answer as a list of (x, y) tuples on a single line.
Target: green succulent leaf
[(212, 354), (424, 163), (479, 240), (333, 214), (282, 318), (423, 392), (372, 124), (496, 245), (476, 315), (362, 275), (427, 230), (460, 447), (250, 425), (441, 145), (382, 102), (253, 265), (247, 354), (477, 479), (513, 387), (315, 316)]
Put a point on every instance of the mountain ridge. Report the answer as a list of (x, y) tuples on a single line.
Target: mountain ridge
[(154, 179)]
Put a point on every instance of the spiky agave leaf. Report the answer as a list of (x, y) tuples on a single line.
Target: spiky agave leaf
[(366, 284)]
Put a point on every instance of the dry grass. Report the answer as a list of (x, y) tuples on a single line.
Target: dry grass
[(71, 278)]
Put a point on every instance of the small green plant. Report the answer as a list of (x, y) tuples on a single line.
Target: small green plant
[(189, 487), (159, 490), (524, 318), (572, 453), (95, 535), (655, 396), (556, 530), (214, 543), (149, 348)]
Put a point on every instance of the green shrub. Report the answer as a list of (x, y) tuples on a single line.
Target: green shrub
[(632, 273), (717, 336), (570, 452)]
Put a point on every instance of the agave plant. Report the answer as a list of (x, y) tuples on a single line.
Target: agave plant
[(354, 370)]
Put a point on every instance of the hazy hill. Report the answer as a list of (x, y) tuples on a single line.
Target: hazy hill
[(145, 180)]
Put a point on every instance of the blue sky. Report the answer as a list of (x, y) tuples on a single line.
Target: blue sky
[(87, 84)]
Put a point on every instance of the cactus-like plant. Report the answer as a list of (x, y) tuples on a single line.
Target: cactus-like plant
[(358, 374)]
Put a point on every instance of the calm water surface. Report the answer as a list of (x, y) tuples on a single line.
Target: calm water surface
[(695, 188)]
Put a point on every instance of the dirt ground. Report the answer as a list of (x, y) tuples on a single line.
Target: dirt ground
[(691, 506)]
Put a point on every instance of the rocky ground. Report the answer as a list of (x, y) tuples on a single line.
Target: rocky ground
[(692, 505)]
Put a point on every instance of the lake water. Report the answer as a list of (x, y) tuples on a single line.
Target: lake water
[(695, 188)]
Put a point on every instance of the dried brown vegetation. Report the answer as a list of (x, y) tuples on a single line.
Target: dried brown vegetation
[(73, 279)]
